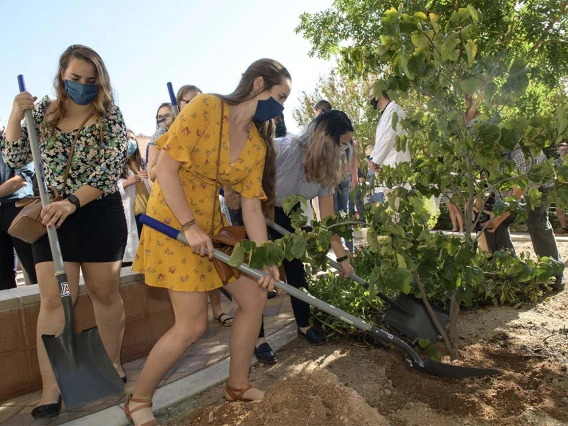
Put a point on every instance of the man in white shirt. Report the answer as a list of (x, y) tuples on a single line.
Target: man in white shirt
[(384, 152)]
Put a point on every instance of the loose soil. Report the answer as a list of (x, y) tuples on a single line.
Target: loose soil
[(347, 383)]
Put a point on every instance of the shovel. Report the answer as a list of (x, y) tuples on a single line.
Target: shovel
[(82, 368), (407, 314), (427, 366), (173, 100)]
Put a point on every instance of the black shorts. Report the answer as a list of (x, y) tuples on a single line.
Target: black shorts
[(95, 233)]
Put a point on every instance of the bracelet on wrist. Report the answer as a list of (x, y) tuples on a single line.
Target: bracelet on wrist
[(342, 258), (187, 225)]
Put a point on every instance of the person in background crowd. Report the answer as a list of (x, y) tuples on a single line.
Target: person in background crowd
[(186, 197), (542, 236), (311, 165), (15, 184), (455, 213), (135, 191), (91, 209), (377, 196), (358, 197), (163, 117), (560, 215), (384, 152)]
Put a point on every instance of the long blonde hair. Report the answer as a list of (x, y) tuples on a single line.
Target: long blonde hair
[(104, 100), (324, 155)]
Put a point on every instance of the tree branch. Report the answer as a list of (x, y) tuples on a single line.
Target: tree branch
[(431, 312)]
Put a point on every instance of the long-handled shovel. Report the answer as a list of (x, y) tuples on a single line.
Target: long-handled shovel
[(82, 368), (173, 100), (414, 360), (407, 314)]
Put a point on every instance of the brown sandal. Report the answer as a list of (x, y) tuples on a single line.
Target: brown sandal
[(146, 403), (237, 394)]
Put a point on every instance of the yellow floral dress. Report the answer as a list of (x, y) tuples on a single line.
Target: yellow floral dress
[(193, 140)]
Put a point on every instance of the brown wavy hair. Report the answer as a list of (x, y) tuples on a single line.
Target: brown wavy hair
[(104, 100), (273, 73), (324, 156)]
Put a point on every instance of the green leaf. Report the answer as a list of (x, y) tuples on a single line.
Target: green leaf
[(237, 257), (471, 51), (424, 343), (561, 124), (473, 14), (434, 353), (394, 121), (248, 245), (434, 22), (464, 256), (508, 138), (379, 87), (299, 246), (390, 21), (471, 85), (420, 40), (400, 261), (420, 15)]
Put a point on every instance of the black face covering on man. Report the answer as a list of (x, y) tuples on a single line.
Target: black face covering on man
[(375, 103)]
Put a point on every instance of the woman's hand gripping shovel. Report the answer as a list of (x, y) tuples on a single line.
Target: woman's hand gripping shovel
[(412, 357), (407, 314), (82, 368)]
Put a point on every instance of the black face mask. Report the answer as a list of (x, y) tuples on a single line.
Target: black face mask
[(374, 103)]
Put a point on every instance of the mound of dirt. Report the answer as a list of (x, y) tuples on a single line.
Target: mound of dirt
[(317, 399)]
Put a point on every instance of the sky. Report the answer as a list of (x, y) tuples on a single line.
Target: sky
[(145, 44)]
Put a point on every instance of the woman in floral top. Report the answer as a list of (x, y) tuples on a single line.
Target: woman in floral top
[(90, 219)]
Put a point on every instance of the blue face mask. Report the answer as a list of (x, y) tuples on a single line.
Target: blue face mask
[(132, 147), (82, 94), (267, 110)]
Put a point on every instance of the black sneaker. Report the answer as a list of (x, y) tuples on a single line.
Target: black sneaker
[(313, 336), (558, 285)]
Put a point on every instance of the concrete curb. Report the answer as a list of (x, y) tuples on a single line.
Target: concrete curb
[(185, 388)]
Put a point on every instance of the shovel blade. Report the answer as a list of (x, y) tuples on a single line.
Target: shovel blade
[(455, 371), (82, 368), (410, 316)]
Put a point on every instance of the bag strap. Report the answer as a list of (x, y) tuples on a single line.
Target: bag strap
[(72, 152), (217, 173)]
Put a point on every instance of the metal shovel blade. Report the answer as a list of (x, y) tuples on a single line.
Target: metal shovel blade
[(455, 371), (410, 316), (82, 368)]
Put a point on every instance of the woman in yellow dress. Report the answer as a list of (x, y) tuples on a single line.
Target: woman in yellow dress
[(185, 196)]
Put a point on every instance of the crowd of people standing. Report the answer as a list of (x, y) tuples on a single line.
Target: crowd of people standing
[(236, 145)]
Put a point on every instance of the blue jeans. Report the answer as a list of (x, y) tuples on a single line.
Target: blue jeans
[(341, 202), (376, 197)]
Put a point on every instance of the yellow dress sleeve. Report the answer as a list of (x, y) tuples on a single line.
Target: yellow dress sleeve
[(251, 185), (187, 129)]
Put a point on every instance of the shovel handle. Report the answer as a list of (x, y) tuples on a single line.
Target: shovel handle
[(173, 100), (382, 335), (60, 273)]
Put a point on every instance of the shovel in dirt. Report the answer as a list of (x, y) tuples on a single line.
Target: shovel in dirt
[(408, 314), (427, 366), (82, 368), (173, 99)]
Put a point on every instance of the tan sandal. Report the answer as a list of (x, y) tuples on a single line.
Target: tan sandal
[(237, 394), (146, 403)]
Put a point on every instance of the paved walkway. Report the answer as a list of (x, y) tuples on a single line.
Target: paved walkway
[(212, 348)]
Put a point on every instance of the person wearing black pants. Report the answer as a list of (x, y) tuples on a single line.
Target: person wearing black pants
[(14, 185)]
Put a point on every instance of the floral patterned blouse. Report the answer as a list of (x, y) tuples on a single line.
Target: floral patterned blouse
[(95, 163)]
